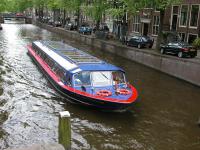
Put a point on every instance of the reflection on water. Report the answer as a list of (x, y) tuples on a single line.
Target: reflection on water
[(164, 117)]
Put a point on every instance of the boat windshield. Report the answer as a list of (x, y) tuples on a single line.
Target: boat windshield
[(99, 78)]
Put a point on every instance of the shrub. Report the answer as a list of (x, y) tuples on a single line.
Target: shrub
[(196, 43)]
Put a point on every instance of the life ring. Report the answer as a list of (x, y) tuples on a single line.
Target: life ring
[(123, 91), (104, 93)]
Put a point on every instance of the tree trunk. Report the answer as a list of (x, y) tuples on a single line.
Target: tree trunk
[(64, 17), (98, 25), (36, 12), (41, 13), (123, 30), (160, 32), (78, 18), (54, 15)]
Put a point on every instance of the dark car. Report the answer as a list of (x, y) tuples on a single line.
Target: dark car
[(84, 29), (181, 49), (57, 24), (103, 28), (140, 41), (70, 26), (46, 19), (50, 22)]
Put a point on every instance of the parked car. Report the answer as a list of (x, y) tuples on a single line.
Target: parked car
[(57, 24), (84, 29), (102, 27), (50, 22), (140, 41), (19, 15), (70, 26), (181, 49), (45, 19)]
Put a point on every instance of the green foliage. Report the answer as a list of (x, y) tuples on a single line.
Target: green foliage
[(119, 7), (96, 9), (2, 5), (53, 4), (15, 5), (38, 3), (70, 5), (196, 43), (22, 5)]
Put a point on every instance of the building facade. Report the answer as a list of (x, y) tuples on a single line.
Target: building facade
[(183, 19), (146, 22)]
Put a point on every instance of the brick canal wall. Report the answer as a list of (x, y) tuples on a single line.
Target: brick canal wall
[(185, 69)]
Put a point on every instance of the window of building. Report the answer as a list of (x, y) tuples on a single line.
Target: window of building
[(191, 38), (183, 19), (182, 36), (194, 15), (136, 23), (156, 22), (174, 18), (175, 9)]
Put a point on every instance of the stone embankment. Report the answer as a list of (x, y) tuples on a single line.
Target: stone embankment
[(53, 146), (187, 69)]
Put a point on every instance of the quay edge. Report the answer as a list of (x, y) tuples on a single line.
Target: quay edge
[(185, 69), (44, 146)]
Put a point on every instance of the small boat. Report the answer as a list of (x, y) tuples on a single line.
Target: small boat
[(83, 78)]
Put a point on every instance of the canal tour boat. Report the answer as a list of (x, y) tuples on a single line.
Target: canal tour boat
[(83, 78)]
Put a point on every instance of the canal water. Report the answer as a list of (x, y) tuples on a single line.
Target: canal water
[(164, 118)]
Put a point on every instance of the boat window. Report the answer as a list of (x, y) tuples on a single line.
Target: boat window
[(43, 55), (68, 81), (107, 78), (50, 62), (55, 67), (118, 77), (82, 78), (99, 78), (103, 78), (61, 73), (37, 51)]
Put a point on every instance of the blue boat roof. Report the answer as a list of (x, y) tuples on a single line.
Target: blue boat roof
[(73, 59)]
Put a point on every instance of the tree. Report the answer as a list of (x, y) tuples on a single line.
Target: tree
[(22, 5), (96, 10), (39, 6), (15, 5), (73, 6), (54, 5), (2, 5), (132, 6), (119, 10)]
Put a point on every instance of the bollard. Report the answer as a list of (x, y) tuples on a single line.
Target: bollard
[(64, 130)]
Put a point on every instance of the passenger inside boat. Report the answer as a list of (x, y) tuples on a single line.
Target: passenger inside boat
[(118, 77), (82, 78), (99, 78)]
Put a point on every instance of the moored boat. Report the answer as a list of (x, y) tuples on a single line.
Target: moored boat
[(83, 78)]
